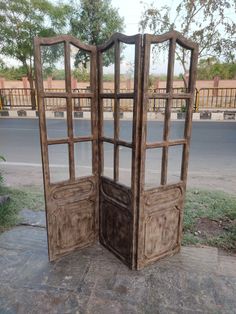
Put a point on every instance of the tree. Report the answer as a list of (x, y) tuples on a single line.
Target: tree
[(211, 67), (93, 22), (21, 20), (206, 22)]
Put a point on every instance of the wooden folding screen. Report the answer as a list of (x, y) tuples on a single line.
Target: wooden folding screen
[(138, 224)]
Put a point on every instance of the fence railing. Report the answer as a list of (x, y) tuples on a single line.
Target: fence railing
[(14, 98), (205, 98), (215, 98)]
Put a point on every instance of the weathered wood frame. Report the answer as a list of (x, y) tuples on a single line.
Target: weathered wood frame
[(162, 207), (138, 225), (76, 198), (118, 203)]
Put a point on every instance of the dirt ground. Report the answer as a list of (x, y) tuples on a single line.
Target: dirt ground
[(27, 176)]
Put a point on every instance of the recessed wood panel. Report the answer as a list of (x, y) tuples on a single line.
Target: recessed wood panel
[(116, 231), (161, 232)]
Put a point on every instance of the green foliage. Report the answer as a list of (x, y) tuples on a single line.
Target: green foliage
[(13, 73), (206, 22), (29, 198), (21, 20), (93, 22), (216, 206), (210, 204), (226, 241), (1, 176), (211, 67), (81, 74)]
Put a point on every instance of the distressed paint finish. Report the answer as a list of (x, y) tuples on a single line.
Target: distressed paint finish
[(138, 225), (72, 205), (161, 208), (119, 203)]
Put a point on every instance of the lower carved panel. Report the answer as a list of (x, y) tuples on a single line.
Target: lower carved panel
[(161, 232), (72, 226), (116, 229)]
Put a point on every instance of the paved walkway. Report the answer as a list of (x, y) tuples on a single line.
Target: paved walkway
[(197, 280)]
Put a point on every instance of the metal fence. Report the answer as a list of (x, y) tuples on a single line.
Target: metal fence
[(205, 99), (15, 98), (215, 98)]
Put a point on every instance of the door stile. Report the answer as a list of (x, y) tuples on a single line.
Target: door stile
[(143, 133), (136, 140), (43, 129), (69, 111), (116, 111), (95, 133)]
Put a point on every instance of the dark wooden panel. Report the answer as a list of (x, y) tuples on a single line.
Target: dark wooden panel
[(116, 192), (116, 229)]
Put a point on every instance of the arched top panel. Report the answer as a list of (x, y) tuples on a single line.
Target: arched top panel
[(172, 35), (48, 41), (121, 38)]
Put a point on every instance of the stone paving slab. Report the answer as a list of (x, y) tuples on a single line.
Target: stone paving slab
[(92, 280), (32, 218)]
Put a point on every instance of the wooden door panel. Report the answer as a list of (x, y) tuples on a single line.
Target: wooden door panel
[(71, 205), (161, 207), (118, 202)]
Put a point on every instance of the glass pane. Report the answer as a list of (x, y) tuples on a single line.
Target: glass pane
[(126, 124), (56, 117), (80, 69), (81, 116), (177, 129), (108, 59), (155, 122), (153, 167), (181, 69), (58, 162), (53, 67), (127, 67), (108, 118), (158, 67), (178, 115), (108, 153), (83, 159), (125, 165), (178, 105), (174, 163)]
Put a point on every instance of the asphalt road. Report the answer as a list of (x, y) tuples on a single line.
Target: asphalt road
[(212, 155)]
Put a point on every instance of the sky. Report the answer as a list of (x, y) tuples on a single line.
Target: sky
[(131, 10)]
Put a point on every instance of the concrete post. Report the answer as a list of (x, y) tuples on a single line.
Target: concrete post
[(25, 84), (73, 83), (2, 82), (216, 85)]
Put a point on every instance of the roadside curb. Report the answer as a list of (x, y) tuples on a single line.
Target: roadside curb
[(203, 115)]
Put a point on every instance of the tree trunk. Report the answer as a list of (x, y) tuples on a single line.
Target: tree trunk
[(32, 90), (185, 81)]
